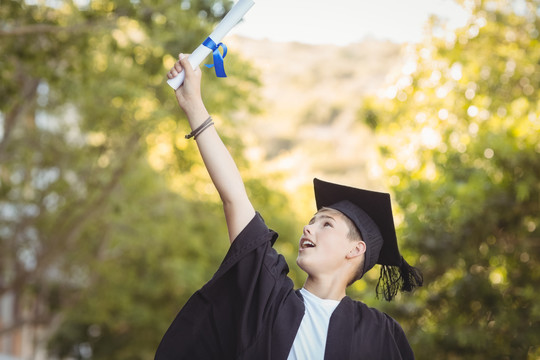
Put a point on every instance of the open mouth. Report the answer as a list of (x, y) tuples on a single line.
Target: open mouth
[(306, 243)]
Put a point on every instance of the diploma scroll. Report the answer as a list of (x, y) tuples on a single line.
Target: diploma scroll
[(230, 20)]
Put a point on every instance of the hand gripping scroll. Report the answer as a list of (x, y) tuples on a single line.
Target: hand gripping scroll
[(230, 20)]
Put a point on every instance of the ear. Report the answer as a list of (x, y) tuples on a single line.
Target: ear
[(358, 250)]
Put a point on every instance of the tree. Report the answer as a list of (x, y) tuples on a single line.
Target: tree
[(83, 109), (459, 142)]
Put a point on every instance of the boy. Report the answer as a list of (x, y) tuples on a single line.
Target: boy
[(250, 310)]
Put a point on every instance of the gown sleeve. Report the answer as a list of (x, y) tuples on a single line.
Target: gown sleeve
[(227, 315), (400, 340)]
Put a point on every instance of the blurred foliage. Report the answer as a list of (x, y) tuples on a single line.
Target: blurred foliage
[(460, 147), (108, 221)]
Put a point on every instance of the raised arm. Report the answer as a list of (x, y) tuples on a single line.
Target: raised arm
[(217, 159)]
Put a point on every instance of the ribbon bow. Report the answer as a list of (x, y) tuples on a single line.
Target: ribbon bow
[(218, 58)]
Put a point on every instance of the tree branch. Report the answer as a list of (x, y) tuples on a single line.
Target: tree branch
[(74, 226), (40, 29), (31, 30), (28, 94)]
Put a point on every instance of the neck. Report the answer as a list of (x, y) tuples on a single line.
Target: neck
[(325, 288)]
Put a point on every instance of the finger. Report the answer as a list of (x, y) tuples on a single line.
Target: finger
[(175, 73), (178, 67), (186, 65)]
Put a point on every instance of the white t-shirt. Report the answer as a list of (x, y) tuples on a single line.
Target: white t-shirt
[(310, 340)]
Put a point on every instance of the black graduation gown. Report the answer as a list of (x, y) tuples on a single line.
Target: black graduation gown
[(250, 310)]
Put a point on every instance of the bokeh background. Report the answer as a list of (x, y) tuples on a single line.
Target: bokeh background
[(108, 221)]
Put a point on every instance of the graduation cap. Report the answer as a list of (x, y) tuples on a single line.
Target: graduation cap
[(371, 212)]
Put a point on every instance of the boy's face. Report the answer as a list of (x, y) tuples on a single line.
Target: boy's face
[(325, 246)]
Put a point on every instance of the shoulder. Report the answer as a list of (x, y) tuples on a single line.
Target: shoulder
[(378, 318), (384, 330)]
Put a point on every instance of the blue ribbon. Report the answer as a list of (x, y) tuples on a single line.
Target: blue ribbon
[(218, 58)]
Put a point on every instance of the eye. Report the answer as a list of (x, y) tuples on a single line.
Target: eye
[(327, 223)]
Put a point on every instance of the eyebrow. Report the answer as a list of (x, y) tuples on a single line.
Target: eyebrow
[(321, 215)]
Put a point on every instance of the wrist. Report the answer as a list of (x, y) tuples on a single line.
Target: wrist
[(196, 120), (200, 129), (196, 115)]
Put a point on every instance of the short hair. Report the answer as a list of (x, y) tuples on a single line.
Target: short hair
[(353, 235)]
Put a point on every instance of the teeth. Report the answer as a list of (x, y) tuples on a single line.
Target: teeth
[(308, 243)]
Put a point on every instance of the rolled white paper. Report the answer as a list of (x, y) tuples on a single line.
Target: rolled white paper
[(230, 20)]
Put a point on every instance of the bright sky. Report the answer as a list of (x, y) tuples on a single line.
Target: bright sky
[(342, 22)]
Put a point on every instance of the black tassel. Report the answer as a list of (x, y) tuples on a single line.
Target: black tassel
[(412, 277), (389, 282), (396, 278)]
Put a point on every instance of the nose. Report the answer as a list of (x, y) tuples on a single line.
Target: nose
[(307, 229)]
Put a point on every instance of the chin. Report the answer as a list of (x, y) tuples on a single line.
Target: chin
[(302, 264)]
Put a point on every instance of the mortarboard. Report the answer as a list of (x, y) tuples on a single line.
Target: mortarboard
[(371, 212)]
